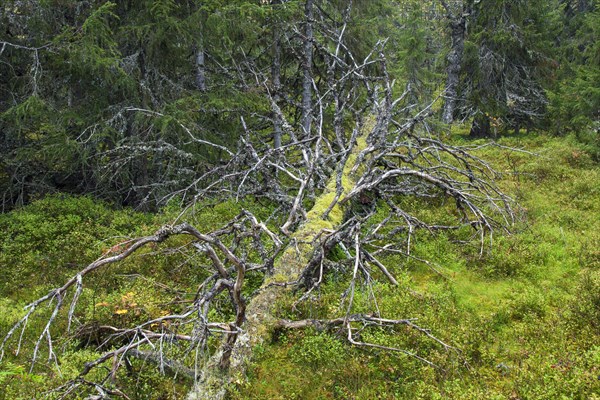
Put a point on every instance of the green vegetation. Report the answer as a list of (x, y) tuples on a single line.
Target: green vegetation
[(269, 199), (101, 98), (524, 316), (52, 239)]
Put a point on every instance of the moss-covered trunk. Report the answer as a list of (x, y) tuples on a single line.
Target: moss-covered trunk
[(261, 311)]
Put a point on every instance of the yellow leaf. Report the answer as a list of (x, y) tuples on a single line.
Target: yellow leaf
[(120, 312)]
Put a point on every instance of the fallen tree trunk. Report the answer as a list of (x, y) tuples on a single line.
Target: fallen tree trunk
[(261, 311)]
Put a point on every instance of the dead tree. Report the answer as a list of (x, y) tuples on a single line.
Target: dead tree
[(370, 150), (307, 76), (389, 160), (457, 16)]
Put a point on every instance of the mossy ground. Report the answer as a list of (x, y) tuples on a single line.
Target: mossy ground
[(522, 315), (525, 315)]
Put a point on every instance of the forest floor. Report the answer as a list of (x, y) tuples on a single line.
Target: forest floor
[(525, 315)]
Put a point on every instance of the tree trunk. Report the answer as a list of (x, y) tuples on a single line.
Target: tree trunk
[(276, 77), (457, 18), (307, 69), (260, 312), (141, 182), (200, 70), (458, 26), (481, 127)]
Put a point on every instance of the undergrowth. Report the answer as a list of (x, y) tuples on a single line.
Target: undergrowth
[(524, 314)]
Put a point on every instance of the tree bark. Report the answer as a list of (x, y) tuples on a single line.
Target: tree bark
[(276, 77), (453, 70), (458, 29), (200, 69), (307, 69)]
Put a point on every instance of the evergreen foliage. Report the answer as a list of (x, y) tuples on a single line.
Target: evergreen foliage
[(115, 88)]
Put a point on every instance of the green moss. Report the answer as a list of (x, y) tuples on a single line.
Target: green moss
[(277, 278), (314, 222)]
